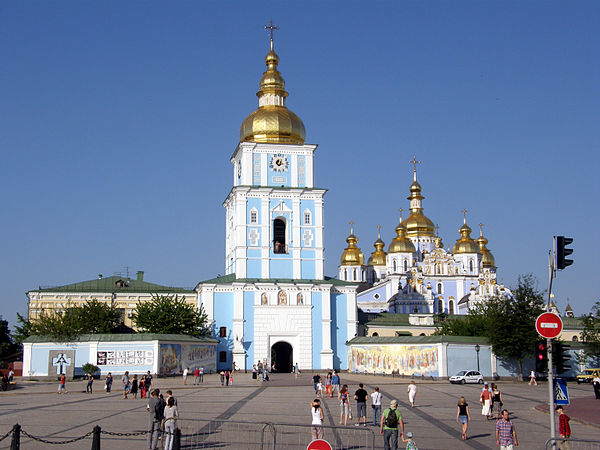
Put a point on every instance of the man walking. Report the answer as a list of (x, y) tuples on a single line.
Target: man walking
[(376, 405), (390, 421), (126, 384), (155, 408), (335, 383), (361, 405), (506, 435), (185, 375), (316, 379)]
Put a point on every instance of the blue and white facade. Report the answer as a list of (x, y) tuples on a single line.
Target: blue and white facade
[(274, 292)]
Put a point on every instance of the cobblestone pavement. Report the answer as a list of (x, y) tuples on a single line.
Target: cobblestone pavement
[(42, 412)]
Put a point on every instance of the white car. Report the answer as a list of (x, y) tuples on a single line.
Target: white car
[(467, 376)]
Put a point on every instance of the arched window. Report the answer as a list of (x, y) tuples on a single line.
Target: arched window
[(451, 307), (575, 339), (395, 266), (440, 307), (300, 299), (346, 274), (353, 274), (375, 334), (470, 265), (439, 288), (253, 216), (307, 217), (281, 298), (223, 332), (279, 244), (405, 265)]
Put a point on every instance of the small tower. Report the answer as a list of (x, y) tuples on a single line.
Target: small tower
[(352, 264), (419, 228), (376, 265), (487, 259), (466, 250), (401, 251)]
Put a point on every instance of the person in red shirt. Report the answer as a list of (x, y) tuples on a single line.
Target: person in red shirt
[(486, 402), (196, 376), (564, 429)]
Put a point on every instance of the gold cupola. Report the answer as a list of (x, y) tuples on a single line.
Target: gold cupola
[(401, 244), (272, 122), (465, 244), (352, 256), (378, 257), (487, 258), (417, 224)]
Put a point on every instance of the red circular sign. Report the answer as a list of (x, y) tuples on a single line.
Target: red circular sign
[(548, 325), (319, 444)]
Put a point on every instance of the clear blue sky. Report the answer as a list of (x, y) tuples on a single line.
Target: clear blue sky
[(118, 119)]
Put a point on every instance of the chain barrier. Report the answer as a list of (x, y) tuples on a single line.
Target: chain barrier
[(45, 441), (114, 433)]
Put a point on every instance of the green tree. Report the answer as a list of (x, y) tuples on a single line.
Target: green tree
[(512, 330), (474, 323), (591, 336), (167, 314), (7, 344)]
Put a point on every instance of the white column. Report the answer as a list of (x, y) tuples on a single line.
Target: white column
[(443, 360), (326, 351), (265, 238), (319, 239), (294, 171), (156, 350), (309, 165), (352, 324), (208, 301), (296, 241), (239, 354), (27, 359), (494, 364)]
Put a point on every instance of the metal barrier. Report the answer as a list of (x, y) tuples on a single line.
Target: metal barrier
[(572, 444)]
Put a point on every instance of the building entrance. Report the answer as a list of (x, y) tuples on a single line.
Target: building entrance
[(282, 357)]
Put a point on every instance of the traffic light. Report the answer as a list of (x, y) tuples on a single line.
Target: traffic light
[(562, 252), (541, 357), (563, 358)]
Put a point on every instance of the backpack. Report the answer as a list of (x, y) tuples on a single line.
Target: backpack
[(391, 421), (159, 410)]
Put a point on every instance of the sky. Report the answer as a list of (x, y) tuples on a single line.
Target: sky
[(118, 120)]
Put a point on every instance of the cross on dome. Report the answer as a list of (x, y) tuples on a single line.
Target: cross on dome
[(271, 27), (400, 211), (464, 211), (414, 162)]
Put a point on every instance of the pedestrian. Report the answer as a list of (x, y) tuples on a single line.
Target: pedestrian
[(410, 443), (328, 387), (296, 370), (564, 429), (388, 427), (316, 379), (376, 406), (254, 372), (108, 382), (134, 386), (532, 378), (143, 392), (320, 388), (316, 428), (412, 393), (463, 416), (201, 373), (125, 383), (11, 375), (344, 405), (506, 435), (596, 383), (361, 405), (148, 382), (90, 383), (227, 375), (486, 402), (231, 377), (196, 376), (156, 410), (62, 387), (497, 401), (170, 416), (185, 375), (169, 395), (335, 383), (222, 376)]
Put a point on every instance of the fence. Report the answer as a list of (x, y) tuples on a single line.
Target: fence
[(572, 444), (191, 434)]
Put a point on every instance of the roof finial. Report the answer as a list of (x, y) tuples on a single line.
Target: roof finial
[(378, 231), (480, 229), (414, 162), (437, 230), (351, 227), (271, 27), (464, 211), (400, 211)]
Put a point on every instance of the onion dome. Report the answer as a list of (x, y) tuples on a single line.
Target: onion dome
[(465, 244), (378, 257), (401, 244), (417, 224), (486, 256), (352, 256), (272, 122)]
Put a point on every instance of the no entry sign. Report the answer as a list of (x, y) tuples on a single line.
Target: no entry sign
[(548, 325), (319, 444)]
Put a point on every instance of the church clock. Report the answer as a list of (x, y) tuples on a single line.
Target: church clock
[(279, 163)]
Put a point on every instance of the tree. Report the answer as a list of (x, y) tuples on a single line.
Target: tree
[(511, 329), (474, 323), (7, 344), (591, 336), (167, 314)]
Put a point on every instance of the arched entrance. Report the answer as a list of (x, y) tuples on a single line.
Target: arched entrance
[(282, 357)]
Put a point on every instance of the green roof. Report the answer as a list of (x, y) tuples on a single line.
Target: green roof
[(411, 340), (228, 279), (130, 337), (109, 285), (572, 323), (390, 319)]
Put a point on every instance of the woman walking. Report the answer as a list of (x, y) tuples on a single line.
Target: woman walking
[(316, 429), (328, 386), (134, 386), (412, 393), (108, 382), (497, 401), (344, 405), (171, 414), (486, 402), (463, 416)]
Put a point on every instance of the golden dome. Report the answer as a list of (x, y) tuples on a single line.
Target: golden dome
[(417, 224), (378, 257), (272, 122), (352, 256), (465, 244), (401, 244), (486, 256)]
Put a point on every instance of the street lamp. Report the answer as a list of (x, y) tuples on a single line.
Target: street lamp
[(477, 348)]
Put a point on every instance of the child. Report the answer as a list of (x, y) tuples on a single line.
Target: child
[(320, 388), (563, 425), (410, 443)]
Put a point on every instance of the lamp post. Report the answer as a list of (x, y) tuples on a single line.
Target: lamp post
[(477, 348)]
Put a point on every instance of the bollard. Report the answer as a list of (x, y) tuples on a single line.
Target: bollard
[(96, 437), (176, 439), (15, 443)]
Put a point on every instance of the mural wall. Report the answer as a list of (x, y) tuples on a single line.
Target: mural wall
[(397, 359), (176, 357)]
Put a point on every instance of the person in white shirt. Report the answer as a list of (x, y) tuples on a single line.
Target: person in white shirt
[(317, 419), (532, 378), (412, 393), (376, 405), (185, 375), (171, 414)]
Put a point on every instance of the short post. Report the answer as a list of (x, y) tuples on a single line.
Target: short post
[(15, 443), (96, 437), (176, 439)]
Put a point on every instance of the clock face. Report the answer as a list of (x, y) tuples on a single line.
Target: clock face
[(279, 163)]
